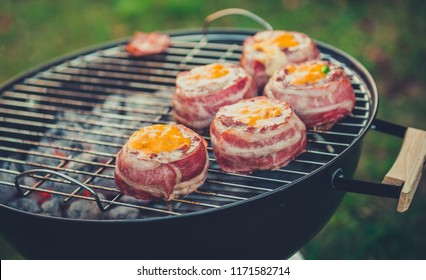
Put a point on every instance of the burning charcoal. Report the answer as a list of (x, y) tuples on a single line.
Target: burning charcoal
[(84, 209), (40, 158), (122, 213), (27, 181), (53, 207), (11, 166), (109, 186), (132, 200), (76, 145), (110, 172), (48, 184), (106, 182), (7, 193), (159, 204), (25, 204), (81, 166), (59, 187), (55, 131), (111, 104)]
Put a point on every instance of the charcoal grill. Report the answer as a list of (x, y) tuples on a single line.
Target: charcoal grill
[(63, 123)]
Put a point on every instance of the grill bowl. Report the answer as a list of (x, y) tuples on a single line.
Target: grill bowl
[(269, 214)]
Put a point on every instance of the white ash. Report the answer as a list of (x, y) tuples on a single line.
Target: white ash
[(122, 213), (53, 207), (84, 209), (26, 204)]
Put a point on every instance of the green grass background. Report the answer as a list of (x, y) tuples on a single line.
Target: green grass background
[(388, 37)]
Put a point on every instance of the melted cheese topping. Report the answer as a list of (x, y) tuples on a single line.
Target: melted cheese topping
[(270, 46), (251, 113), (306, 73), (210, 78), (283, 40), (210, 72), (158, 138)]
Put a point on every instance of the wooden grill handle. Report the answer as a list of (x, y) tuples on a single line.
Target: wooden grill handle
[(408, 167)]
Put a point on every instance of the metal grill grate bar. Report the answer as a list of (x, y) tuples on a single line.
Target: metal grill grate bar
[(25, 105), (61, 127), (95, 187), (22, 132), (25, 152), (116, 203), (99, 89), (74, 103), (100, 81), (151, 101), (98, 187), (68, 170)]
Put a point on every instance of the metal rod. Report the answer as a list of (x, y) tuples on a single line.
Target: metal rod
[(237, 185), (141, 64), (58, 109), (328, 143), (292, 171), (321, 153), (111, 74), (52, 156), (62, 127), (251, 176), (98, 89), (51, 172), (59, 137), (90, 179), (58, 100), (371, 188), (44, 178), (150, 99), (139, 69), (116, 203), (351, 124), (234, 11), (220, 195), (42, 166), (98, 187), (309, 161), (196, 203), (331, 133), (389, 128), (101, 81)]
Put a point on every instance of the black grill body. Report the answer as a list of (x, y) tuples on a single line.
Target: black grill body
[(269, 214), (271, 227)]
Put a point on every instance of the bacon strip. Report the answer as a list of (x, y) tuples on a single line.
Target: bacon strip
[(147, 43), (241, 148), (140, 176), (262, 54), (319, 104), (196, 101)]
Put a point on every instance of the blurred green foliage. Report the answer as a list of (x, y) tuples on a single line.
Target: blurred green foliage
[(388, 37)]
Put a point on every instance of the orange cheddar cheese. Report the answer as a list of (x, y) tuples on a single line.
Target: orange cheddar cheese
[(158, 138)]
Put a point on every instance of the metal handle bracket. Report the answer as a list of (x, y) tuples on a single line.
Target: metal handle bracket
[(234, 11), (63, 176)]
